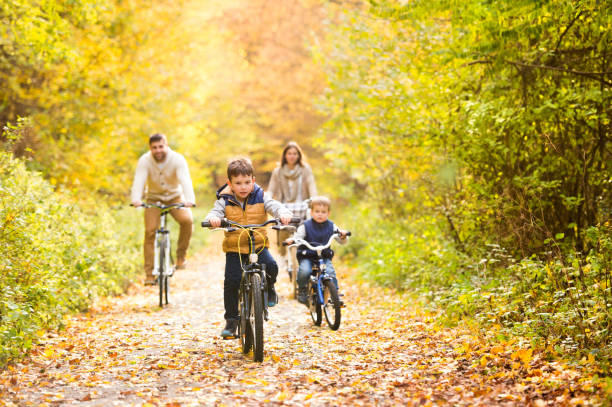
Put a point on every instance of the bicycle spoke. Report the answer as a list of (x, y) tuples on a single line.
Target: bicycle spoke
[(331, 304)]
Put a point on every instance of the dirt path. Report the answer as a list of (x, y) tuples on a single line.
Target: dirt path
[(128, 352)]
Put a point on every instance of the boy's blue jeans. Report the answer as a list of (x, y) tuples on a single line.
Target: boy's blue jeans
[(306, 269), (233, 275)]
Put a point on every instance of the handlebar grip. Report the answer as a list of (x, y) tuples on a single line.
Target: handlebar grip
[(348, 233), (224, 224)]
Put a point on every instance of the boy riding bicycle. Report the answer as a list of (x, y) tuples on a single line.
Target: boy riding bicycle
[(243, 201), (317, 231)]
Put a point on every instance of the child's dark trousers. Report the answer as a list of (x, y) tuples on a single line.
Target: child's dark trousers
[(233, 275)]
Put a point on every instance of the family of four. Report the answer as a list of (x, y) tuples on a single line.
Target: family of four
[(162, 176)]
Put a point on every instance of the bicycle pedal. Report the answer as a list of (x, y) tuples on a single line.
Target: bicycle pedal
[(225, 338)]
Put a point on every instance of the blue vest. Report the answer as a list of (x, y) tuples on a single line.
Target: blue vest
[(316, 234)]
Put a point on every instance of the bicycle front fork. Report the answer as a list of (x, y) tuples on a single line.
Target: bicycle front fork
[(264, 284), (162, 245)]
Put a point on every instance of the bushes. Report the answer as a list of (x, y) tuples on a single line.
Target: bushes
[(55, 256), (472, 129), (407, 255), (564, 304)]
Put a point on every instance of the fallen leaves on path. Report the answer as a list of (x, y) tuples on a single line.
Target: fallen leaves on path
[(128, 352)]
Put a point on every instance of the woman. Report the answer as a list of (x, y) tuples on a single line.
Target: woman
[(292, 183)]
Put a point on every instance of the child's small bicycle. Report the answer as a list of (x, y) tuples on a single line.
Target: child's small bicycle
[(253, 294), (322, 292)]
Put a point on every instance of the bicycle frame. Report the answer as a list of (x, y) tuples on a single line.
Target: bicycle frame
[(323, 294), (163, 264), (254, 267), (162, 243), (319, 269), (253, 308), (318, 276)]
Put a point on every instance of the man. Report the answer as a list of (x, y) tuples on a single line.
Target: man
[(167, 180)]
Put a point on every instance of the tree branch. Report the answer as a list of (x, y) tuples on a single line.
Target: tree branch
[(479, 61), (566, 30), (590, 75)]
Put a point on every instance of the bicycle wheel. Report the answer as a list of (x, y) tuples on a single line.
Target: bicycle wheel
[(166, 282), (167, 267), (314, 306), (256, 317), (245, 329), (161, 278), (294, 281), (294, 270), (331, 304)]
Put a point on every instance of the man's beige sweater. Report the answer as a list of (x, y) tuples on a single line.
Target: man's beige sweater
[(164, 181)]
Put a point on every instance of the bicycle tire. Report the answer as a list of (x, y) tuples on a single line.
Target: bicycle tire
[(256, 317), (166, 283), (314, 306), (160, 278), (331, 305), (294, 272), (244, 327), (167, 273)]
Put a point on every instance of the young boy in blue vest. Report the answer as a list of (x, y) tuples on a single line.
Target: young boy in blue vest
[(317, 231), (242, 200)]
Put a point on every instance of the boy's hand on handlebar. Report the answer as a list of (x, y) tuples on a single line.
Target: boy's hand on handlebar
[(285, 220), (189, 205), (343, 233), (215, 222), (136, 203), (288, 242)]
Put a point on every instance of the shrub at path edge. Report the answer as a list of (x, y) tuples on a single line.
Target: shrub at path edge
[(55, 256)]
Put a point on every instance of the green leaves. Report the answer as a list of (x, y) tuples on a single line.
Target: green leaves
[(514, 94), (54, 257)]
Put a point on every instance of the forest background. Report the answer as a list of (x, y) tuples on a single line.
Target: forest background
[(466, 144)]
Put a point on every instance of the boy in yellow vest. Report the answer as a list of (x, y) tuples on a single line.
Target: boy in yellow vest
[(242, 200)]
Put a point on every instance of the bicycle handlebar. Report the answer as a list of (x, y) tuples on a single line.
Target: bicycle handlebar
[(226, 223), (299, 242), (162, 207)]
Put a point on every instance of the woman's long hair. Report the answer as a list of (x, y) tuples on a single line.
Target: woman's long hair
[(292, 144)]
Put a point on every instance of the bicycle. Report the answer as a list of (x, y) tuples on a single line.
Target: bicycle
[(287, 262), (163, 266), (298, 208), (253, 293), (323, 295)]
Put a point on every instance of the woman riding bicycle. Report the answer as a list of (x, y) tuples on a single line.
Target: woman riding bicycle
[(292, 183)]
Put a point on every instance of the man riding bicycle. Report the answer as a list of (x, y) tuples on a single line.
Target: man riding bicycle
[(162, 176)]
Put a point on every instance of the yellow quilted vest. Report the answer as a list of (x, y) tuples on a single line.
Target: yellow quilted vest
[(253, 213)]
